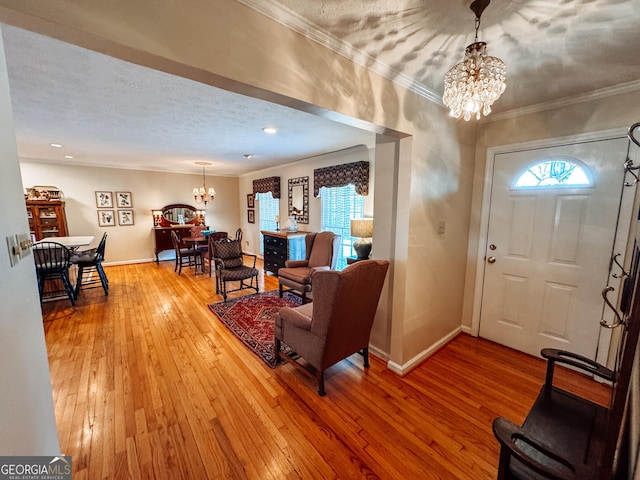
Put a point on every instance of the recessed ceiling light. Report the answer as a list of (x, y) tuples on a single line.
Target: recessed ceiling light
[(68, 156), (248, 155), (270, 130), (55, 145)]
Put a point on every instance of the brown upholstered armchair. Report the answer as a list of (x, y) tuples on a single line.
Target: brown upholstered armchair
[(338, 322), (321, 254)]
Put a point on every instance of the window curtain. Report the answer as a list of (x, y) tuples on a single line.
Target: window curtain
[(269, 184), (356, 173)]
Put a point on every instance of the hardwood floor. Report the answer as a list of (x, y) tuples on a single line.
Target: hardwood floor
[(147, 383)]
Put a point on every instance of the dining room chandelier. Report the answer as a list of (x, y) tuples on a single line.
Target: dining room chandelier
[(471, 86), (203, 194)]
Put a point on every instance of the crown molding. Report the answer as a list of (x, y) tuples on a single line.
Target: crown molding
[(566, 101), (295, 22)]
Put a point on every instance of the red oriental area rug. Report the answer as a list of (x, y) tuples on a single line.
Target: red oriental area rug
[(251, 319)]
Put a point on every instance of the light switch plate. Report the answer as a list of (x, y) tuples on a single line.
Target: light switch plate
[(14, 250), (25, 243)]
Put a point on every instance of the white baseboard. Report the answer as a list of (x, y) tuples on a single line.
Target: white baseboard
[(422, 356), (375, 351), (129, 262), (152, 259)]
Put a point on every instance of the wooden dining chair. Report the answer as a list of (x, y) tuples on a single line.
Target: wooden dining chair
[(184, 255), (52, 265), (90, 271)]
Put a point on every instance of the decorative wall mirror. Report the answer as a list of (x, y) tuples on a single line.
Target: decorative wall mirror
[(178, 213), (299, 199)]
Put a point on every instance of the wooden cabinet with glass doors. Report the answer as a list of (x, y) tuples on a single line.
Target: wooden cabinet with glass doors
[(46, 218)]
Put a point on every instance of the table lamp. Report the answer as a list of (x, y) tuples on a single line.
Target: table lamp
[(157, 217), (200, 216), (363, 230)]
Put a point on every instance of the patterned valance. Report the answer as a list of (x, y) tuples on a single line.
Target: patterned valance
[(356, 173), (269, 184)]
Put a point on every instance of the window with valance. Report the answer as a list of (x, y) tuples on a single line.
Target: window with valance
[(268, 184), (356, 173)]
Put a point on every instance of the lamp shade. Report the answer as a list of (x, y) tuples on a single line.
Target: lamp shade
[(362, 228)]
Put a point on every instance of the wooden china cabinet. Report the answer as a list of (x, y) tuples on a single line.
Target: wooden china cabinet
[(46, 218)]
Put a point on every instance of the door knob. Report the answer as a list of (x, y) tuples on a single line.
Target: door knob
[(491, 259), (492, 247)]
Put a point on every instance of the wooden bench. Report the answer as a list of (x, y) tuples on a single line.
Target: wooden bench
[(568, 437)]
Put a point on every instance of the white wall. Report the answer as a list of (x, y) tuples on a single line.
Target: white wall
[(26, 405), (150, 191)]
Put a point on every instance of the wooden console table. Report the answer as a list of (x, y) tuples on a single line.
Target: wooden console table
[(162, 237)]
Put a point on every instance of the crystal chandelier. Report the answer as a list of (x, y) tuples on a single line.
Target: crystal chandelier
[(203, 194), (471, 86)]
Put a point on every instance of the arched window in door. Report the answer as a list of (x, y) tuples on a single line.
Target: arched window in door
[(555, 173)]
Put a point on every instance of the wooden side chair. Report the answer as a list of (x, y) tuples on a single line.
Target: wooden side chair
[(184, 255), (90, 271), (213, 238), (230, 267), (52, 265)]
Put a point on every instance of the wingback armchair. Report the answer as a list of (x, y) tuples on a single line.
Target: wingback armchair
[(321, 254), (338, 322)]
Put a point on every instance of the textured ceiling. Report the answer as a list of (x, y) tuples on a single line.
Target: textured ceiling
[(552, 48), (108, 112)]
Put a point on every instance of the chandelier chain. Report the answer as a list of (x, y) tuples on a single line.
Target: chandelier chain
[(204, 194)]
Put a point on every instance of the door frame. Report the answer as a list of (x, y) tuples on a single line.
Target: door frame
[(605, 337)]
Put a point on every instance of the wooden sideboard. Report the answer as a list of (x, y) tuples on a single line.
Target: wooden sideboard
[(162, 237), (281, 246), (47, 218)]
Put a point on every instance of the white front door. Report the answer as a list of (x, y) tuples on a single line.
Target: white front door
[(549, 248)]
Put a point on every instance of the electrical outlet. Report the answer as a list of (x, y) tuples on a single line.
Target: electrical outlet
[(441, 227), (14, 249)]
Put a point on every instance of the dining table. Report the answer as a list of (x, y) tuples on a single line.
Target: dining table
[(71, 242), (197, 240)]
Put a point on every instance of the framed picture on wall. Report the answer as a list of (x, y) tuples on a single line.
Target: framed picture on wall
[(251, 216), (125, 217), (250, 200), (104, 199), (124, 200), (106, 218)]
